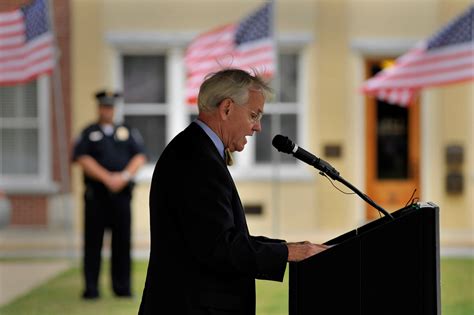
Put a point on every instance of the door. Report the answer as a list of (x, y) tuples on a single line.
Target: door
[(392, 151)]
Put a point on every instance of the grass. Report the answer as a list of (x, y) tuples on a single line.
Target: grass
[(457, 286), (61, 294)]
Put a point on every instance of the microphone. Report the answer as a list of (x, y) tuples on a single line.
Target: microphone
[(285, 145)]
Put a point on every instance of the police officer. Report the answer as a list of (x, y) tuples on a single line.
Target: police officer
[(109, 155)]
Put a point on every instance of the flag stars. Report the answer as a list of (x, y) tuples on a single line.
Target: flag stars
[(254, 27), (459, 31), (36, 20)]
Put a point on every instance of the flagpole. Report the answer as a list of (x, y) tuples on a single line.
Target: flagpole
[(274, 38), (275, 121)]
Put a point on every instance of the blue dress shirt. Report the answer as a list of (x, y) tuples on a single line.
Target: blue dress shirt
[(214, 137)]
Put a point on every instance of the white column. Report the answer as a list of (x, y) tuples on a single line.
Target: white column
[(177, 118)]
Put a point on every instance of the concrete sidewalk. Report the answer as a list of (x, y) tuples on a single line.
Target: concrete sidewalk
[(19, 277)]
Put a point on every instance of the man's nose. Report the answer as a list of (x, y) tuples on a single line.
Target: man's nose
[(257, 126)]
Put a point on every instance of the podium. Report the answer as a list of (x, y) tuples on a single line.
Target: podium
[(388, 266)]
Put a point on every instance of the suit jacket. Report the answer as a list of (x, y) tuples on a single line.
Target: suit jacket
[(202, 256)]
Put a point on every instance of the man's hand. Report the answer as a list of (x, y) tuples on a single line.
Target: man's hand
[(302, 250), (115, 182)]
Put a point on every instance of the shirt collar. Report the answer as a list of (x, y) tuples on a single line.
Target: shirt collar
[(214, 137)]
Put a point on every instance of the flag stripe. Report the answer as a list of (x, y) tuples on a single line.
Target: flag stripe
[(26, 44), (449, 59), (424, 74), (12, 42), (14, 77), (433, 79), (208, 40), (39, 62), (12, 30), (436, 58), (466, 58), (45, 40), (442, 65), (7, 18)]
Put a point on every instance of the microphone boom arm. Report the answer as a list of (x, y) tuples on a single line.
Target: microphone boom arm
[(284, 144), (360, 194)]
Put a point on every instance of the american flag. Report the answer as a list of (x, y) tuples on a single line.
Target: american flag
[(247, 45), (447, 57), (26, 44)]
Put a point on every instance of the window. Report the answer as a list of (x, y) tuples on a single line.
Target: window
[(24, 136), (145, 107), (19, 135), (281, 114)]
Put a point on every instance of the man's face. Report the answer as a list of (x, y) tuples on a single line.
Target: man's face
[(106, 114), (244, 121)]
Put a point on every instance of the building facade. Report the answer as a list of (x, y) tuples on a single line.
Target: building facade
[(326, 50)]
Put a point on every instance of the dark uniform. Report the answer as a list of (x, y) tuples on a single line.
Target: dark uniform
[(105, 209)]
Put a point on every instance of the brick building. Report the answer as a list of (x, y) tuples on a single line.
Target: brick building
[(35, 167)]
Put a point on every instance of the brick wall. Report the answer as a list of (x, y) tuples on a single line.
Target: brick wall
[(28, 210)]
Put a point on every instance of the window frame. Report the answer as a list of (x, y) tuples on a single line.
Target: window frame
[(143, 109), (42, 182)]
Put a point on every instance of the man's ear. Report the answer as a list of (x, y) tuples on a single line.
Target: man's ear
[(225, 108)]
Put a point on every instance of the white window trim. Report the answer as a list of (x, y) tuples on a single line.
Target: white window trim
[(42, 182), (173, 44), (369, 47)]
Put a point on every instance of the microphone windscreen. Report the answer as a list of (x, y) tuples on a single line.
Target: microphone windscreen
[(283, 144)]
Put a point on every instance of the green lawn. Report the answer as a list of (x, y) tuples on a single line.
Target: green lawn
[(61, 294)]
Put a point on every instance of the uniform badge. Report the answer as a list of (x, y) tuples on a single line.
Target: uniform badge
[(95, 136), (122, 133)]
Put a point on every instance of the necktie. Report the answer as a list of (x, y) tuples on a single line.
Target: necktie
[(228, 157)]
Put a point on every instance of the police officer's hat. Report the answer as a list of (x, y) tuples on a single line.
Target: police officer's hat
[(107, 98)]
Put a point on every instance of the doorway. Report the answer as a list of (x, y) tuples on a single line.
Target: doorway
[(392, 150)]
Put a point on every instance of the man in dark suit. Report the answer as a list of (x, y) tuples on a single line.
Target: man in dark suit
[(203, 259)]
